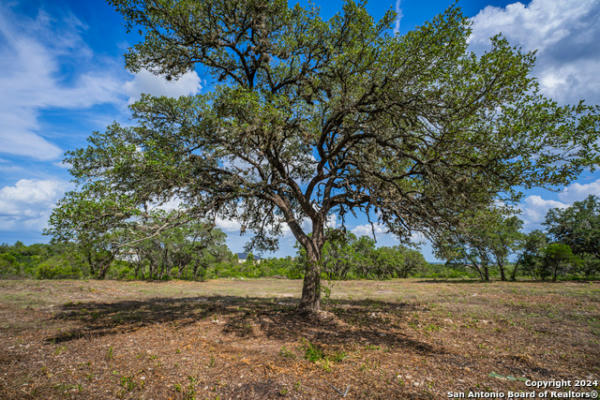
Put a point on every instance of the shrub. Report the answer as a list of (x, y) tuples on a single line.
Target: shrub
[(57, 267)]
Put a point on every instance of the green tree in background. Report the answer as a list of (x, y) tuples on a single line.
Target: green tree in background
[(309, 118), (530, 258), (191, 245), (505, 238), (347, 257), (578, 227), (95, 219), (344, 255), (558, 258), (481, 240)]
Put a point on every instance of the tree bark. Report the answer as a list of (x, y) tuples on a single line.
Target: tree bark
[(311, 288), (486, 273), (502, 275), (513, 274), (103, 270), (195, 270), (477, 268), (91, 263)]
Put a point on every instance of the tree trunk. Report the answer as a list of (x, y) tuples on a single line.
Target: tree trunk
[(152, 268), (513, 275), (502, 275), (311, 288), (477, 268), (486, 273), (196, 270), (103, 270), (91, 263)]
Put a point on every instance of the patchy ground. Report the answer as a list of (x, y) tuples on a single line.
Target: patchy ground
[(227, 339)]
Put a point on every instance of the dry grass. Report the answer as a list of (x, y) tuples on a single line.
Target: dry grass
[(225, 339)]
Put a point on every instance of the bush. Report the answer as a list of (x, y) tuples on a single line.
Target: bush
[(57, 267), (9, 267)]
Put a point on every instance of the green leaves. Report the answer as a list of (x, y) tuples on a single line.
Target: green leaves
[(310, 118), (480, 239), (578, 226)]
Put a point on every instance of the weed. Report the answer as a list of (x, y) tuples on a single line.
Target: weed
[(339, 356), (65, 387), (325, 364), (374, 364), (326, 291), (432, 328), (109, 354), (212, 362), (312, 352), (128, 383), (284, 352), (59, 350), (190, 392), (44, 371)]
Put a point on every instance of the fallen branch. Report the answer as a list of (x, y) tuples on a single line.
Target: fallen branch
[(339, 391)]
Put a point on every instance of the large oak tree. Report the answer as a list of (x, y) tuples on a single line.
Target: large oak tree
[(306, 118)]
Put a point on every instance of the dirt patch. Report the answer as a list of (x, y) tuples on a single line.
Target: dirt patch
[(230, 339)]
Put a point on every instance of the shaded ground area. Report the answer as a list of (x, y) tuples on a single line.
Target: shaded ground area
[(228, 339)]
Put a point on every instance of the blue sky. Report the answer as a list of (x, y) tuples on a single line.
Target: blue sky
[(64, 77)]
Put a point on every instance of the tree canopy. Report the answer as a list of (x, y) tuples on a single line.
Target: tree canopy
[(481, 239), (306, 118), (578, 226)]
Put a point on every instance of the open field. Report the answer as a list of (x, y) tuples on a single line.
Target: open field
[(225, 339)]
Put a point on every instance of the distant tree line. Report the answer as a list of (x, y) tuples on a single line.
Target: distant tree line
[(179, 254), (346, 256), (486, 245), (484, 241)]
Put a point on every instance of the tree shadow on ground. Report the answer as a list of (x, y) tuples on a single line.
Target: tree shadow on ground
[(454, 281), (520, 281), (367, 322)]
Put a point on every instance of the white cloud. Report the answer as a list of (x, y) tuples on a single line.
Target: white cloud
[(31, 80), (228, 225), (146, 82), (566, 35), (33, 56), (367, 229), (27, 204), (399, 16), (534, 210), (418, 238), (331, 221), (578, 191)]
